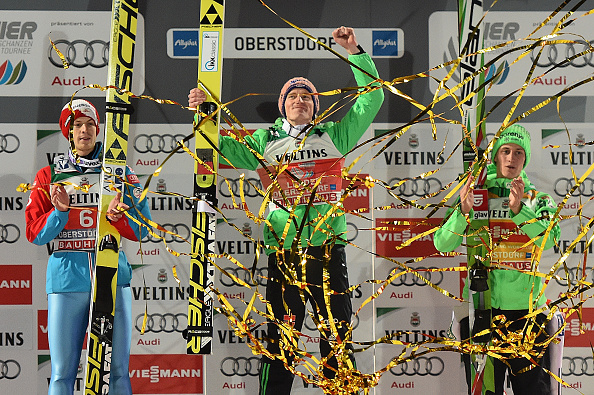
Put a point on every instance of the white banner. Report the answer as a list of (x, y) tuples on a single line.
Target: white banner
[(286, 43), (29, 66), (502, 27)]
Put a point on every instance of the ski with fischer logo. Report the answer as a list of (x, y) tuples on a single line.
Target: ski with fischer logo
[(200, 305), (118, 109), (471, 34)]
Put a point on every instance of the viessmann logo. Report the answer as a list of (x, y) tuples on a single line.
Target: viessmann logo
[(167, 374), (42, 340), (578, 332), (393, 232), (15, 285)]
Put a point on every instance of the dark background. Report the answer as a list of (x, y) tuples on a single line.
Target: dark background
[(168, 78)]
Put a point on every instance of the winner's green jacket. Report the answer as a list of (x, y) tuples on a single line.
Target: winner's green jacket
[(510, 289), (328, 141)]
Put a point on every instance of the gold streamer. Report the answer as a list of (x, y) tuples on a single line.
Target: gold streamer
[(349, 380)]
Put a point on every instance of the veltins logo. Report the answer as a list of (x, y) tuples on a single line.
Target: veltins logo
[(385, 43), (185, 43), (10, 75)]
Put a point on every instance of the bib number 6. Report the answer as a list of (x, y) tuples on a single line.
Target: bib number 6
[(87, 218)]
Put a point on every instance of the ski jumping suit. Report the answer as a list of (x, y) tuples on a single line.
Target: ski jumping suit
[(321, 153), (510, 289), (68, 280)]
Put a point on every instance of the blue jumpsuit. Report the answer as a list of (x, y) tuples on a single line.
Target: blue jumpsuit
[(70, 266)]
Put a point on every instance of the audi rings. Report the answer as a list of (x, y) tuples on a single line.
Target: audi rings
[(352, 231), (240, 366), (249, 187), (9, 369), (260, 276), (9, 233), (421, 366), (167, 323), (572, 276), (9, 143), (554, 55), (309, 324), (564, 185), (410, 279), (412, 187), (80, 53), (578, 366), (179, 232), (157, 143)]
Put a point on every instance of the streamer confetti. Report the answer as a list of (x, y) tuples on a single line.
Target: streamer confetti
[(507, 344)]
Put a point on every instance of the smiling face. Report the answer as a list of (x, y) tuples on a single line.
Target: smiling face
[(299, 107), (84, 133), (510, 160)]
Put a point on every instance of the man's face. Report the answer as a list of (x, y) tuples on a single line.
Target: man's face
[(510, 160), (84, 132), (299, 107)]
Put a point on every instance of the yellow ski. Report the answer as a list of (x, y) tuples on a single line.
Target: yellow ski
[(200, 307), (102, 311)]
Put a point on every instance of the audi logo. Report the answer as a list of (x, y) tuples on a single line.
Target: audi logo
[(260, 276), (577, 366), (167, 323), (421, 366), (564, 185), (556, 53), (410, 279), (572, 275), (9, 143), (157, 143), (249, 189), (181, 230), (9, 233), (80, 53), (416, 187), (352, 231), (240, 366), (9, 369), (309, 323)]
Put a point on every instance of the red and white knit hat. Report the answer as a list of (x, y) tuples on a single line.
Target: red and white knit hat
[(80, 108), (293, 83)]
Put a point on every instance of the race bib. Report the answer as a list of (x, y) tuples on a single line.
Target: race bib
[(296, 183)]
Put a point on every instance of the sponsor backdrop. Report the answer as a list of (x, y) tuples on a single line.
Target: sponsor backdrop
[(403, 40)]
